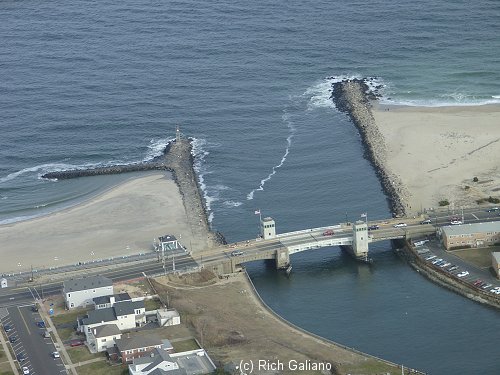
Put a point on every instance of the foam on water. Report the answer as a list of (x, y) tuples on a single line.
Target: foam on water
[(156, 148), (199, 152), (291, 132), (230, 203)]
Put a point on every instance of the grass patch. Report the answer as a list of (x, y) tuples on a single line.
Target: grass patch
[(478, 257), (371, 366), (102, 368), (5, 369), (68, 317), (81, 353), (185, 345), (65, 333), (2, 354), (152, 304)]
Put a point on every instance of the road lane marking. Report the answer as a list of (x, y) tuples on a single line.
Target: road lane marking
[(24, 321)]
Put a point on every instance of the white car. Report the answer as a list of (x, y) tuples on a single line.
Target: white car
[(56, 355), (455, 222), (26, 370), (462, 274), (400, 225)]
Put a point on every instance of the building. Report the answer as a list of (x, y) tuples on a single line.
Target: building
[(168, 243), (159, 362), (4, 283), (471, 235), (267, 228), (495, 262), (102, 337), (81, 292), (137, 346), (108, 301), (125, 315), (168, 317)]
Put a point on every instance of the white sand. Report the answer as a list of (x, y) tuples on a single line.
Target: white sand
[(121, 221), (438, 151)]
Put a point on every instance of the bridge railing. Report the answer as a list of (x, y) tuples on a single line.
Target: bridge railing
[(305, 231)]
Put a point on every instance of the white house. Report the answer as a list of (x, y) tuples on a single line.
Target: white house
[(81, 292), (103, 337), (168, 317), (125, 315), (108, 301)]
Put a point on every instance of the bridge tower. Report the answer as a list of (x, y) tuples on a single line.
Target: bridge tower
[(360, 240), (267, 228)]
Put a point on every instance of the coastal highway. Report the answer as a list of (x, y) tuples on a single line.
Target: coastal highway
[(26, 294)]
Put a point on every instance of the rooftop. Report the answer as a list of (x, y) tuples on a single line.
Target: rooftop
[(106, 299), (99, 316), (106, 330), (127, 307), (167, 238), (455, 230), (137, 341), (89, 282)]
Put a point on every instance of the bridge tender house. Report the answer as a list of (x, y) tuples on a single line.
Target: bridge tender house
[(471, 235)]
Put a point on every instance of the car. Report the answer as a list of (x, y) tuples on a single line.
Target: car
[(445, 265), (328, 232), (463, 274), (420, 243), (26, 370), (7, 328), (34, 308), (453, 268), (431, 257), (56, 355), (493, 209), (426, 221), (437, 260), (373, 227), (21, 357), (77, 342), (236, 253), (12, 339), (487, 286), (40, 324), (456, 222), (400, 225), (477, 282)]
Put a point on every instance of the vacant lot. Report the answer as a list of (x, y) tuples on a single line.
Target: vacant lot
[(230, 323), (478, 257)]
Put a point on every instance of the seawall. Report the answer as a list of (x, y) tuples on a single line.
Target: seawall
[(354, 97)]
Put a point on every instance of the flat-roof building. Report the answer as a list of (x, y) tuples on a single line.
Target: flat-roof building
[(471, 235)]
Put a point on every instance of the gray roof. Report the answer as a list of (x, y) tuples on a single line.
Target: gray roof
[(167, 238), (127, 307), (99, 316), (454, 230), (106, 330), (106, 299), (156, 357), (137, 341), (90, 282)]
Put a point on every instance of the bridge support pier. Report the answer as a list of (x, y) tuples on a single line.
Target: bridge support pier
[(359, 248), (282, 258)]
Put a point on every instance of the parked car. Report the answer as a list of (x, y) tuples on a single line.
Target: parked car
[(493, 209), (453, 268), (236, 253), (437, 260), (46, 334), (77, 343), (426, 221), (40, 324), (7, 328), (12, 339), (463, 274), (20, 357), (431, 257), (26, 370), (328, 232), (456, 222), (400, 225), (373, 227), (56, 355), (34, 308), (487, 286)]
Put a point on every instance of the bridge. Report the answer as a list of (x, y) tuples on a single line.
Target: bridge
[(354, 238)]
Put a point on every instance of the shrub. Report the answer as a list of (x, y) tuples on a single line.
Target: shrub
[(475, 179), (493, 200), (467, 187), (444, 203)]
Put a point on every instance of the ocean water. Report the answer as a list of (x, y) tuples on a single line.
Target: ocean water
[(103, 82)]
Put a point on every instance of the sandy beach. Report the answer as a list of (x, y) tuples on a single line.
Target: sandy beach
[(123, 220), (437, 151)]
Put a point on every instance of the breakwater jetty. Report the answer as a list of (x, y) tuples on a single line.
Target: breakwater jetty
[(177, 158), (354, 97)]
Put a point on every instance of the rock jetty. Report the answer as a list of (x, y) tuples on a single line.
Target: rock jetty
[(178, 159), (354, 97)]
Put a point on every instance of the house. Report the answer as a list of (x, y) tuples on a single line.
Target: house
[(81, 292), (137, 346), (495, 263), (102, 337), (471, 235), (168, 317), (104, 302), (125, 315), (159, 362)]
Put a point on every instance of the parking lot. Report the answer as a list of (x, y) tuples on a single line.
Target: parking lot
[(25, 330), (433, 253)]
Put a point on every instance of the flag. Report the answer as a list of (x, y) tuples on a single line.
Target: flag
[(364, 215), (257, 212)]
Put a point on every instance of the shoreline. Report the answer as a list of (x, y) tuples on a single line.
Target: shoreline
[(426, 155)]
